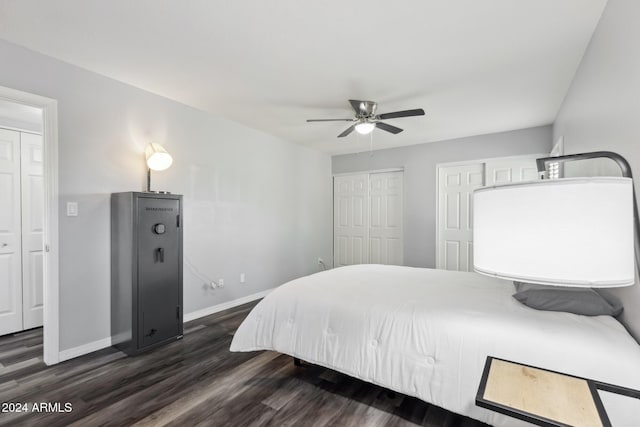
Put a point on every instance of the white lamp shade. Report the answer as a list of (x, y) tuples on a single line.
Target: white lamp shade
[(157, 157), (569, 232), (365, 128)]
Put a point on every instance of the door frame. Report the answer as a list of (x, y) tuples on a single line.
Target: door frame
[(333, 201), (50, 276), (466, 163), (369, 172)]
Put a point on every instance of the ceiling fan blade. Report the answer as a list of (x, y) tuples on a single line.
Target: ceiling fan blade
[(330, 120), (394, 130), (347, 131), (404, 113)]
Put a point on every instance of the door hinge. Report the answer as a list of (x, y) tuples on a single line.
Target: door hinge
[(47, 248), (178, 221), (177, 312)]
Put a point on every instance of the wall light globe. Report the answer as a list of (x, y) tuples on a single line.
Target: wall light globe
[(157, 157)]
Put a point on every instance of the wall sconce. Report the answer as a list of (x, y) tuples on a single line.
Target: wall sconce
[(157, 159)]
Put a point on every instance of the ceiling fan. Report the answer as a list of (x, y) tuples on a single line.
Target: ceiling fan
[(367, 120)]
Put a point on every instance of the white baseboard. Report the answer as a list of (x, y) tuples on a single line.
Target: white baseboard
[(225, 305), (83, 349)]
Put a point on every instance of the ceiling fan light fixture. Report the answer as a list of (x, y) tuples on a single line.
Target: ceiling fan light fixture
[(365, 128)]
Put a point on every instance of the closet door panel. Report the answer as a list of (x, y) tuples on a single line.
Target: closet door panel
[(32, 228), (351, 220), (10, 239), (455, 214), (386, 206)]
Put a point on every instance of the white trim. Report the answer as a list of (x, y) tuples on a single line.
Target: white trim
[(87, 348), (558, 147), (20, 130), (51, 317), (369, 172), (224, 306), (491, 159), (83, 349)]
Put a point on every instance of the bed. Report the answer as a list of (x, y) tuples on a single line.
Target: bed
[(426, 333)]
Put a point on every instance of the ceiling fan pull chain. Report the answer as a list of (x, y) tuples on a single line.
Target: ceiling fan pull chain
[(371, 144)]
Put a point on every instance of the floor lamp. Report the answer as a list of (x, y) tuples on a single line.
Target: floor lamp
[(575, 232)]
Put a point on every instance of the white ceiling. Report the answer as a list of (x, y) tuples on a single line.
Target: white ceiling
[(474, 66)]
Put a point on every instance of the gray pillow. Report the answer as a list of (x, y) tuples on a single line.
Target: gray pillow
[(585, 301)]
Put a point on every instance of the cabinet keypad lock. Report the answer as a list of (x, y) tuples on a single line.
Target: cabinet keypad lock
[(159, 228)]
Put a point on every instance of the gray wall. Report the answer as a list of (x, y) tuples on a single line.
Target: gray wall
[(602, 108), (253, 203), (419, 162)]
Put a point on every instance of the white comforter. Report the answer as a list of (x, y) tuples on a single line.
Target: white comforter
[(427, 333)]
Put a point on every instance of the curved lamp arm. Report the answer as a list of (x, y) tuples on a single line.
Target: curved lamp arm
[(621, 161)]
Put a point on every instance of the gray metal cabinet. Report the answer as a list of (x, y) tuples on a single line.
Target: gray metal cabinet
[(146, 270)]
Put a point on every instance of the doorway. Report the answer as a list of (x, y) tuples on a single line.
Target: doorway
[(29, 224), (21, 221)]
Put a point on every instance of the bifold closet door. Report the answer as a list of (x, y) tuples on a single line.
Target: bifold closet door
[(10, 233), (367, 219)]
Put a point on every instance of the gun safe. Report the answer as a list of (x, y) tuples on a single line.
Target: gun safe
[(146, 270)]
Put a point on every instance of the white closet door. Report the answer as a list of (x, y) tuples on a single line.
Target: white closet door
[(32, 224), (10, 245), (350, 219), (385, 231), (455, 215), (510, 170)]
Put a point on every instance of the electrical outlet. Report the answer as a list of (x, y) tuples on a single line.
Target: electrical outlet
[(241, 277), (221, 283)]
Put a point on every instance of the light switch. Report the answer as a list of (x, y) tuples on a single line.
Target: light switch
[(72, 208)]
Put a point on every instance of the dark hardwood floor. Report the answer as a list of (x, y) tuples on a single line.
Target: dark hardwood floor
[(197, 381)]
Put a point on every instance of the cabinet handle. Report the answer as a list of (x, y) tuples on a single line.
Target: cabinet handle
[(160, 252)]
